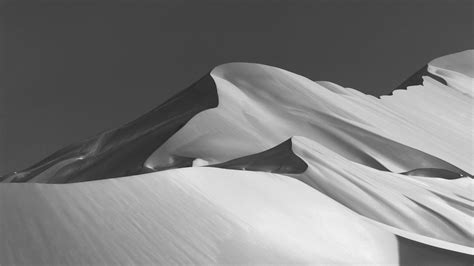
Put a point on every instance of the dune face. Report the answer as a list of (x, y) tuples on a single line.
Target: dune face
[(256, 165), (280, 159), (260, 107), (417, 79), (432, 207), (433, 172), (187, 216), (242, 109), (123, 151)]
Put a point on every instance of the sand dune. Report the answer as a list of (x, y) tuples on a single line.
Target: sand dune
[(256, 165), (122, 151), (261, 106), (258, 107), (188, 216), (427, 206), (423, 205)]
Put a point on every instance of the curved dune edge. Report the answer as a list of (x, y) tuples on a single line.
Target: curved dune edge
[(124, 150), (457, 69), (346, 148), (433, 207), (460, 63), (280, 159), (429, 124), (454, 70), (183, 216), (261, 106), (425, 206), (187, 216), (417, 79), (433, 172)]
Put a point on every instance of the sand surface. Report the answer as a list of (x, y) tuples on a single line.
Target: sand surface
[(256, 165)]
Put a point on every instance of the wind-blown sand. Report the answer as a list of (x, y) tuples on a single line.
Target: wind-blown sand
[(122, 151), (322, 174), (261, 106), (187, 216)]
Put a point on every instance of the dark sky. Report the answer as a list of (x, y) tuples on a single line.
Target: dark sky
[(70, 69)]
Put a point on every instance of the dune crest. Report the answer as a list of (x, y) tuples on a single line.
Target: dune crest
[(253, 164)]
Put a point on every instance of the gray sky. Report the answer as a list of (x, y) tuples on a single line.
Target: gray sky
[(70, 69)]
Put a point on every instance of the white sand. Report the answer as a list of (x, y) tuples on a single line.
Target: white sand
[(261, 106), (349, 208), (190, 215)]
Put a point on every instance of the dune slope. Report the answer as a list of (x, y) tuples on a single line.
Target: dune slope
[(187, 216), (256, 165), (122, 151), (261, 106)]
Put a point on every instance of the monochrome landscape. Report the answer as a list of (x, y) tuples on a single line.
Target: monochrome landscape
[(253, 164)]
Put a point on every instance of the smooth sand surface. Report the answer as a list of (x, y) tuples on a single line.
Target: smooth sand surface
[(189, 216), (436, 208), (433, 207), (428, 126), (184, 216), (356, 179), (242, 109)]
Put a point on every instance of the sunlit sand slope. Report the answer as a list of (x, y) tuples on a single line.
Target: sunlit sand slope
[(256, 165), (191, 215), (433, 207), (241, 109), (436, 208), (184, 216), (426, 126)]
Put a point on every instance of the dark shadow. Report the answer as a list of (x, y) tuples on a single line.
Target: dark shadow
[(124, 150), (279, 159), (417, 78), (415, 253), (435, 172)]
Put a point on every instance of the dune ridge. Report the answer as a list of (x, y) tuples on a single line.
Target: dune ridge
[(188, 216), (253, 164)]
